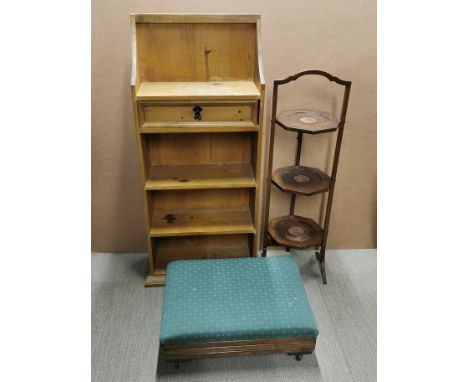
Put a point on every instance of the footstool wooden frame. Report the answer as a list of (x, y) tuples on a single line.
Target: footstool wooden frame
[(297, 346), (178, 347)]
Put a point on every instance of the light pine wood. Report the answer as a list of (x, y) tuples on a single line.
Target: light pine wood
[(235, 90), (134, 76), (154, 114), (200, 173), (155, 280), (200, 176), (260, 81), (198, 52), (201, 222), (198, 127), (194, 18), (201, 247), (194, 149), (166, 255), (134, 84), (201, 198)]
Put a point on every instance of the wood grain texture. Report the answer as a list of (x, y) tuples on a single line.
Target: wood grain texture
[(200, 176), (198, 127), (142, 153), (201, 222), (199, 149), (295, 231), (307, 121), (194, 18), (306, 233), (238, 348), (155, 280), (205, 51), (200, 198), (233, 90), (168, 249), (179, 114), (301, 180), (199, 77)]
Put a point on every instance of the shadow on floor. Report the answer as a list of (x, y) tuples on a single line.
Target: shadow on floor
[(139, 266), (274, 367)]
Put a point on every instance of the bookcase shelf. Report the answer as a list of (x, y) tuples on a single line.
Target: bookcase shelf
[(201, 222), (201, 127), (198, 91), (225, 175)]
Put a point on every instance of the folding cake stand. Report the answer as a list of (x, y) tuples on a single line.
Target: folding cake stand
[(295, 231)]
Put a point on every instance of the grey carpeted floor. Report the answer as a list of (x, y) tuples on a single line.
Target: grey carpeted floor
[(125, 326)]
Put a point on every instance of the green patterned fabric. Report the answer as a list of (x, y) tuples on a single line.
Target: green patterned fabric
[(235, 299)]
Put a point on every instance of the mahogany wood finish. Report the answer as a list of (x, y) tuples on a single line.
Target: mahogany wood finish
[(301, 180), (295, 231), (198, 89), (295, 345), (282, 230), (309, 122)]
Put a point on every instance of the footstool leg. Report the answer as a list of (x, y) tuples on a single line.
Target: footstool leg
[(298, 356), (321, 259), (177, 365), (264, 252)]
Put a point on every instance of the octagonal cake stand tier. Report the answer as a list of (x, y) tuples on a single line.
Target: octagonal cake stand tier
[(301, 180), (307, 121), (295, 231)]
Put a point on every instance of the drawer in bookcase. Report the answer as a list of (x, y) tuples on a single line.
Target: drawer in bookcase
[(155, 114)]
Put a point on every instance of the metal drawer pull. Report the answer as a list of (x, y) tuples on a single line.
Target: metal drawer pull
[(197, 110)]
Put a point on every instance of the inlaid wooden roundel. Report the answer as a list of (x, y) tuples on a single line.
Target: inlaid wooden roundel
[(307, 121), (295, 231), (301, 180)]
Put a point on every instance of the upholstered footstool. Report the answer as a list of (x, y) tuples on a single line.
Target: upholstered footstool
[(230, 307)]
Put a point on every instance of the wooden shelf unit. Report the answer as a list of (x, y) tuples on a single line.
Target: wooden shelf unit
[(198, 89), (294, 231)]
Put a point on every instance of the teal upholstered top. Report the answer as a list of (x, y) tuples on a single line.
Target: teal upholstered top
[(235, 299)]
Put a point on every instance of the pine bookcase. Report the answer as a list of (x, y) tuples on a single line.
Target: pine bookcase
[(198, 91)]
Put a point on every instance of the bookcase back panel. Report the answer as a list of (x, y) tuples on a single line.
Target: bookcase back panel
[(194, 149), (167, 249), (200, 199), (196, 52)]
